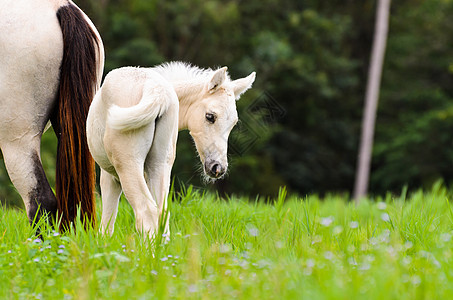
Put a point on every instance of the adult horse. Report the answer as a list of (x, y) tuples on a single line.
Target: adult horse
[(51, 62)]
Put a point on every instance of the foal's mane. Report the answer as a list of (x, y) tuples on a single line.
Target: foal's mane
[(181, 71)]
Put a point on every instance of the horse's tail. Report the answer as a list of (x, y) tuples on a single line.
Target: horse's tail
[(154, 102), (79, 79)]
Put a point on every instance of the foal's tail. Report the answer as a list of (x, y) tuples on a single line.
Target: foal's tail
[(154, 102), (80, 74)]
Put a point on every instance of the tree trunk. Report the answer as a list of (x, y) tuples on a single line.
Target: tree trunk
[(371, 99)]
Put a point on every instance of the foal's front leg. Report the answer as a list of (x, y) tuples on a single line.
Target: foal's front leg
[(111, 192), (159, 161)]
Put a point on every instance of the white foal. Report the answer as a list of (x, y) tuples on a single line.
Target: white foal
[(132, 130)]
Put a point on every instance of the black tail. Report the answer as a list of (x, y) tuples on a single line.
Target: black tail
[(75, 175)]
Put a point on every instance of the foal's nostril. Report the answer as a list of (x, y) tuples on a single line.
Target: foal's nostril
[(216, 169)]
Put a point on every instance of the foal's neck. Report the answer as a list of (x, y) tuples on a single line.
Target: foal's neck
[(188, 92)]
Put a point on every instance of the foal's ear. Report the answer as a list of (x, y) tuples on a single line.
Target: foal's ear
[(217, 79), (243, 84)]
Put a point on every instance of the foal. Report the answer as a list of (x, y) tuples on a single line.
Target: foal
[(132, 130)]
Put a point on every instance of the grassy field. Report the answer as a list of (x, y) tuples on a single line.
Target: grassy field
[(390, 248)]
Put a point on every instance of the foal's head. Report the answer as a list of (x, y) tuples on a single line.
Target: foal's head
[(212, 118)]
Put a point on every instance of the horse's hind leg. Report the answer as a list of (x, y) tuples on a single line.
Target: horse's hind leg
[(23, 163), (111, 192)]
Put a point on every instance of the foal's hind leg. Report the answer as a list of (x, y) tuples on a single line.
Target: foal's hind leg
[(127, 153), (23, 163), (111, 192)]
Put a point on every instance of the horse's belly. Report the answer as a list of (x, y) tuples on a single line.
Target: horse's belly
[(31, 50)]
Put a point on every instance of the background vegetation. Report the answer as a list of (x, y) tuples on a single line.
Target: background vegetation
[(311, 59)]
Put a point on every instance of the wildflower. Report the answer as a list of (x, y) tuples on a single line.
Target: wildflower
[(316, 239), (445, 237), (192, 288), (416, 280), (60, 251), (328, 255), (369, 258), (337, 229), (253, 231), (221, 261), (9, 251), (354, 224), (381, 205), (37, 241), (365, 266), (224, 248), (407, 260), (56, 234), (61, 246), (36, 260), (408, 245), (154, 272), (352, 261), (310, 263), (385, 236), (327, 221), (164, 258), (279, 244), (385, 217)]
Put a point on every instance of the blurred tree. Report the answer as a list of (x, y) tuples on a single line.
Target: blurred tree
[(414, 143), (371, 99)]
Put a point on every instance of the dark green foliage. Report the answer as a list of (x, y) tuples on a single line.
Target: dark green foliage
[(311, 59)]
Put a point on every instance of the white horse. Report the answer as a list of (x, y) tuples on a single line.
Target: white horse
[(132, 131), (51, 62)]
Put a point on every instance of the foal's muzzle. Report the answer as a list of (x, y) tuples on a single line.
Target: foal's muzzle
[(214, 169)]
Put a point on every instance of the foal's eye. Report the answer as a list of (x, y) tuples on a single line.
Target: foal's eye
[(210, 117)]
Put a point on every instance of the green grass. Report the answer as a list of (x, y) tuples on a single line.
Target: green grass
[(392, 248)]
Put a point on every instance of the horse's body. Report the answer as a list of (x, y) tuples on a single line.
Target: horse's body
[(51, 61), (132, 130)]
